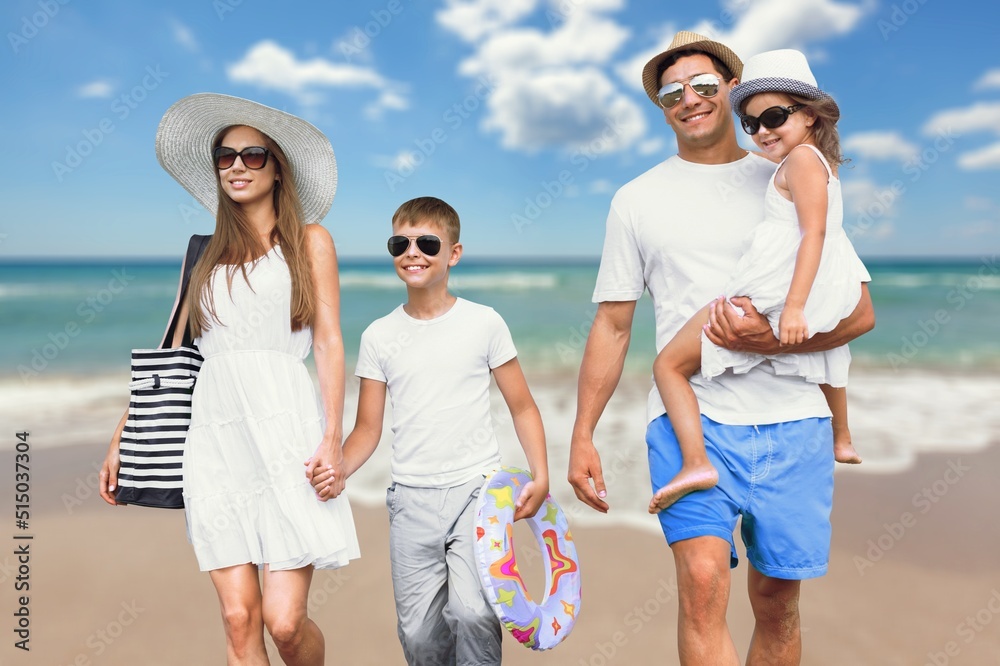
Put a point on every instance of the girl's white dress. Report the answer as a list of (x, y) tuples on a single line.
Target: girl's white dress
[(764, 273), (255, 420)]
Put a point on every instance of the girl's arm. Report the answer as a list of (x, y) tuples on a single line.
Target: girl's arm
[(530, 432), (328, 345), (806, 178), (328, 481)]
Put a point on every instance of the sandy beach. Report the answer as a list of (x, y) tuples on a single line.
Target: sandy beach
[(914, 577)]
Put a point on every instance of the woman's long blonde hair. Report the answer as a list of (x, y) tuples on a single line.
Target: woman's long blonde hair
[(235, 240)]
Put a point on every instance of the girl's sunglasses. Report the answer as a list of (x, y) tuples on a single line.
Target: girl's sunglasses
[(254, 157), (771, 118), (428, 244), (705, 85)]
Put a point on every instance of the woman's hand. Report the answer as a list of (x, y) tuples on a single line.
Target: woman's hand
[(792, 327), (107, 483), (325, 470)]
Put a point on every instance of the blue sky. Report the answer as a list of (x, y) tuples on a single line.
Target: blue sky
[(526, 115)]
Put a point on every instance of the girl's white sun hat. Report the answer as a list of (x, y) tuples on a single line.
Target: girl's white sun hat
[(784, 70), (188, 128)]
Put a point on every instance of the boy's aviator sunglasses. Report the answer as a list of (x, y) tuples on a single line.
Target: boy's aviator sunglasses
[(253, 157), (428, 244), (705, 85)]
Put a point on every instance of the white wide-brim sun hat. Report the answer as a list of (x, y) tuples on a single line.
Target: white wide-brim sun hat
[(783, 70), (188, 128)]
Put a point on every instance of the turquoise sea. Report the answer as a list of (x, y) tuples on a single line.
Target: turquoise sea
[(83, 317)]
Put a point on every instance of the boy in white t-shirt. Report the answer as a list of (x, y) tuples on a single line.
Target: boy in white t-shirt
[(434, 354)]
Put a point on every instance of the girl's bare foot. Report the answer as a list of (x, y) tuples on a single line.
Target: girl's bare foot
[(688, 480), (844, 451)]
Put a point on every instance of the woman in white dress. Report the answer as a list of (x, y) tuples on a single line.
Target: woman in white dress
[(263, 293)]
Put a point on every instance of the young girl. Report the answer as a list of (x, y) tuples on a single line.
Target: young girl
[(800, 270), (264, 291)]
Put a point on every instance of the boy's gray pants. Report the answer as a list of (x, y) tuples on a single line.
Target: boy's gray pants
[(443, 616)]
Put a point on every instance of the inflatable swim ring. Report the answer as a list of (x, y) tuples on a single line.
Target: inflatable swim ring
[(537, 626)]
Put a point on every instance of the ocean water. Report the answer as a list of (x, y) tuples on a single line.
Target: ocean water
[(81, 318)]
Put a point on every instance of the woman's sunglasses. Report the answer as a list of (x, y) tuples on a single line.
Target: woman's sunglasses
[(771, 118), (428, 244), (705, 85), (254, 157)]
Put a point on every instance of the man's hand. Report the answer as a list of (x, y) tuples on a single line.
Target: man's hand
[(584, 465), (750, 332)]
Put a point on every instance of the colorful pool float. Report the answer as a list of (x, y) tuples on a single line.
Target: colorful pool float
[(539, 626)]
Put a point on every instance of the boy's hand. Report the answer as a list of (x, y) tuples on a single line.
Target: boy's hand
[(530, 499), (792, 326)]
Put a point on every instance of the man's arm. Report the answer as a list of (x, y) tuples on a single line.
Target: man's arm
[(752, 332), (600, 372)]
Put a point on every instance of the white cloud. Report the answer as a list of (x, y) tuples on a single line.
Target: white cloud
[(984, 158), (980, 117), (533, 110), (880, 145), (184, 36), (990, 79), (473, 19), (601, 186), (582, 39), (549, 87), (978, 203), (269, 65), (772, 24), (973, 229), (98, 88), (388, 100), (657, 144), (869, 209)]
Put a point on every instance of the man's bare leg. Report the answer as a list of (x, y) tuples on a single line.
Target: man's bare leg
[(703, 581), (777, 635)]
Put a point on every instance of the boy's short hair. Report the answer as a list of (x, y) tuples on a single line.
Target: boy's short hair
[(432, 210)]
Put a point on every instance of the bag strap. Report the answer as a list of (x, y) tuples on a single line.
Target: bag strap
[(196, 246)]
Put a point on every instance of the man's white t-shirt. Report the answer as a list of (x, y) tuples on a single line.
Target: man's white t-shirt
[(437, 373), (678, 230)]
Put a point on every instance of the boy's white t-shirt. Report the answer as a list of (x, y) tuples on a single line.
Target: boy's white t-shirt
[(437, 373), (679, 230)]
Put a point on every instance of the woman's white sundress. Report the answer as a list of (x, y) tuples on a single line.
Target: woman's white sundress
[(764, 273), (255, 420)]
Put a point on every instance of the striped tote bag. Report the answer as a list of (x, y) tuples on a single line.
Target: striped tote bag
[(151, 448), (159, 413)]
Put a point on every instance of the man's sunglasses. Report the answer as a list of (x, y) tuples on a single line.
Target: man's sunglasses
[(705, 85), (428, 244), (771, 118), (254, 157)]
